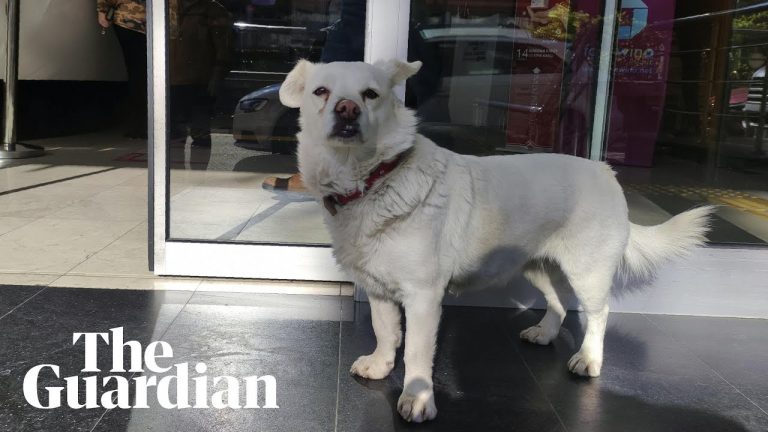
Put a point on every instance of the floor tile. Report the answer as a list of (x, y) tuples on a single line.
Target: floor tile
[(208, 213), (245, 335), (480, 380), (232, 213), (117, 177), (57, 245), (44, 201), (8, 224), (40, 332), (129, 283), (28, 278), (290, 219), (34, 174), (180, 179), (12, 296), (735, 348), (648, 382), (278, 306), (137, 181), (271, 287), (119, 203), (750, 222), (43, 175), (643, 211), (721, 230), (126, 256)]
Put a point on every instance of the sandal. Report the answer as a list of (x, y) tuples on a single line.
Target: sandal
[(286, 184)]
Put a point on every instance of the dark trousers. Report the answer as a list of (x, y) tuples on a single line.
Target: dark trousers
[(346, 41), (191, 108), (134, 46)]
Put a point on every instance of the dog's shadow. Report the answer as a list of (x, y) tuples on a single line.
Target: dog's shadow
[(485, 378)]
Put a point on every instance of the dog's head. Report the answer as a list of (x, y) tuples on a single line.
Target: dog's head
[(348, 103)]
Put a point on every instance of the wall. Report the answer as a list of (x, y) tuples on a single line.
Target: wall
[(61, 40)]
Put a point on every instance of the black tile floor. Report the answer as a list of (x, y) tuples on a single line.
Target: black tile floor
[(661, 373)]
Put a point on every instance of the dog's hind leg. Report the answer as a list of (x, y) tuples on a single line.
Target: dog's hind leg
[(385, 316), (592, 287), (551, 282)]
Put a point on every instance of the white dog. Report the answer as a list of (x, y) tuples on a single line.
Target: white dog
[(408, 219)]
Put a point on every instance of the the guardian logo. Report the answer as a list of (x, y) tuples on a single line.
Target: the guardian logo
[(228, 391)]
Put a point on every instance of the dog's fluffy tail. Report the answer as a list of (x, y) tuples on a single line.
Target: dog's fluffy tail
[(650, 246)]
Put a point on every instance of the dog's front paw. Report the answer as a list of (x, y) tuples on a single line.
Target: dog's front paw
[(372, 367), (537, 335), (417, 407), (584, 365)]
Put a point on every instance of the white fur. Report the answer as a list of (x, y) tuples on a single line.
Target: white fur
[(441, 219)]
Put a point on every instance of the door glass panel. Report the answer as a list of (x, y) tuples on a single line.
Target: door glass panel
[(504, 77), (232, 145), (688, 120)]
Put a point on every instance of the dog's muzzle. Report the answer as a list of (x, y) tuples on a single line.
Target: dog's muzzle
[(346, 125)]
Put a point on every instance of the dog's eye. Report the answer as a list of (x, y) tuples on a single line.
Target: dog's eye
[(370, 94), (320, 91)]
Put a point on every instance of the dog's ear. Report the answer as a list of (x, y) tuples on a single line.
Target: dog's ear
[(293, 87), (397, 70)]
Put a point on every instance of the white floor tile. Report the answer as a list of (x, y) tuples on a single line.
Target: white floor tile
[(36, 174), (43, 201), (296, 222), (8, 224), (207, 212), (126, 256), (27, 278), (120, 203), (270, 287), (57, 245), (134, 283), (251, 215)]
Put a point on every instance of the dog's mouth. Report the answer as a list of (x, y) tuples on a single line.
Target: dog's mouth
[(345, 130)]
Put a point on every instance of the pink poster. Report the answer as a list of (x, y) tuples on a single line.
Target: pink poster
[(639, 80)]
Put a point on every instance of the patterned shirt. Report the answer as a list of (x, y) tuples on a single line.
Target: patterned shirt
[(129, 14)]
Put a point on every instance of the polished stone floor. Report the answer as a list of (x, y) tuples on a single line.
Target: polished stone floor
[(661, 373)]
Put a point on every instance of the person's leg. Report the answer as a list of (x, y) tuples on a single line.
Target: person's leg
[(201, 110), (134, 45), (178, 113)]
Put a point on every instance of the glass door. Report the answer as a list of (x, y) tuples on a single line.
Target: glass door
[(499, 77), (227, 199)]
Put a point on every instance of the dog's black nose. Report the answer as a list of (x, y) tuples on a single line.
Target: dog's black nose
[(347, 110)]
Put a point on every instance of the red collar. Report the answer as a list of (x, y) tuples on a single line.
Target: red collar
[(381, 170)]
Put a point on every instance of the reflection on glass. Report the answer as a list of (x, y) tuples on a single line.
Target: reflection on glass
[(501, 77), (687, 118), (687, 109), (686, 113), (232, 143)]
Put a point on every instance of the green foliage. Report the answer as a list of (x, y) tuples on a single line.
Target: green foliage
[(752, 21)]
